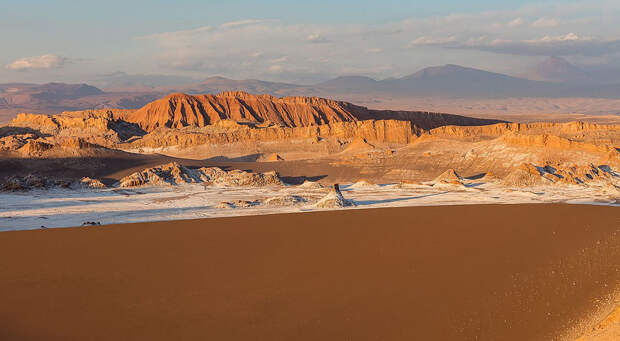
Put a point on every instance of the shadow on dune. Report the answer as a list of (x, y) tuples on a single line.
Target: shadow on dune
[(298, 180), (109, 168), (387, 201), (114, 165), (245, 158), (476, 177)]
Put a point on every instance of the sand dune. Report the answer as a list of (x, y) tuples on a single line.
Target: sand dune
[(432, 273)]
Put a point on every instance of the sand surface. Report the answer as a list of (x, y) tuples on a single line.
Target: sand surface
[(478, 272)]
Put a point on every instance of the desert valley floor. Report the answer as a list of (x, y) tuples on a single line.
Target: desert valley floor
[(407, 225)]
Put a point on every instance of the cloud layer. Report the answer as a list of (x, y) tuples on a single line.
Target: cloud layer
[(46, 61), (279, 50), (569, 44)]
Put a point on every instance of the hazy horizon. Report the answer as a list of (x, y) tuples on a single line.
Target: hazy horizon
[(298, 43)]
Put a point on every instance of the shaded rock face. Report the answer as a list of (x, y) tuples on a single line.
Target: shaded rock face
[(175, 174), (34, 147), (99, 126), (30, 182)]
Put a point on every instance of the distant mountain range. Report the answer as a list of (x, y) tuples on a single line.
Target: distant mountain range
[(58, 97), (553, 78), (559, 70)]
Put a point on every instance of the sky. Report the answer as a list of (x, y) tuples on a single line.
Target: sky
[(295, 41)]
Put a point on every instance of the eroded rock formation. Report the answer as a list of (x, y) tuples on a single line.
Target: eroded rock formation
[(175, 174), (528, 175), (180, 110)]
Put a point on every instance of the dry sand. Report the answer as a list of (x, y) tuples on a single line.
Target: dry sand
[(487, 272)]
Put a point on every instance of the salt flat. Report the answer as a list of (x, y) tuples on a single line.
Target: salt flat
[(65, 208)]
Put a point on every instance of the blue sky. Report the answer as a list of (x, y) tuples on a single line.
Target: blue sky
[(296, 41)]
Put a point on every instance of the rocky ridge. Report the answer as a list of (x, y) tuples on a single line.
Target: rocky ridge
[(184, 120), (181, 110), (175, 174), (528, 175)]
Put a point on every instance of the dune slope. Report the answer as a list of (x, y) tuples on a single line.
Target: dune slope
[(428, 273)]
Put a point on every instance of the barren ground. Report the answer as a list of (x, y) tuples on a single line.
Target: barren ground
[(524, 272)]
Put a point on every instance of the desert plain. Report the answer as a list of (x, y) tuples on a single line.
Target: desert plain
[(249, 216)]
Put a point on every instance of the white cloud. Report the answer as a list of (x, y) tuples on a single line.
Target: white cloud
[(569, 44), (545, 22), (177, 34), (240, 23), (429, 41), (252, 48), (567, 37), (316, 38), (280, 60), (516, 22), (275, 68), (46, 61)]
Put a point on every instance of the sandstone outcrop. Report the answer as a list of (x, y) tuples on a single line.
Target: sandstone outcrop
[(34, 148), (575, 131), (238, 204), (175, 174), (528, 175), (311, 185), (30, 182), (273, 157), (554, 142), (237, 126), (334, 199), (285, 200), (489, 177), (88, 183), (449, 175), (103, 127), (15, 142), (358, 144), (54, 147), (380, 131), (181, 110), (364, 183)]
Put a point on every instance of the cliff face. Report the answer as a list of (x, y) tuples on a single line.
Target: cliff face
[(103, 127), (429, 120), (389, 131), (180, 110), (578, 131), (230, 117), (554, 142)]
